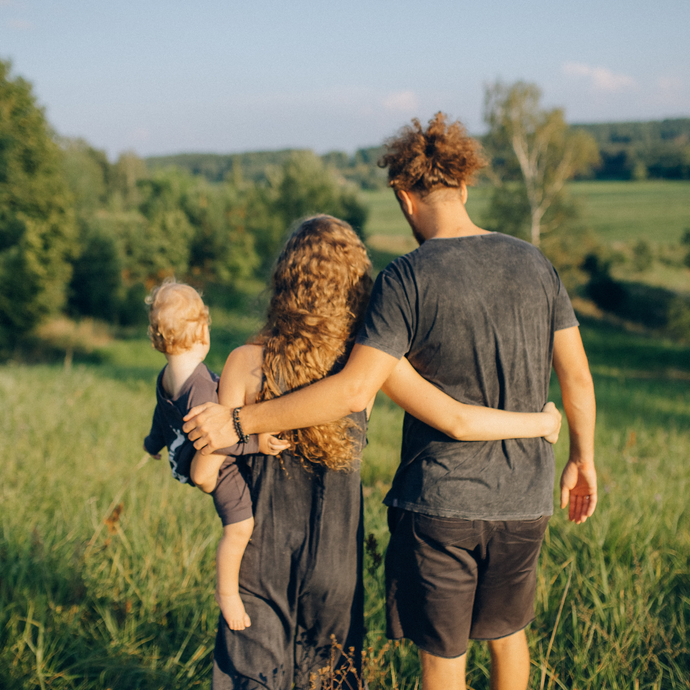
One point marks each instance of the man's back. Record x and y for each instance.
(476, 316)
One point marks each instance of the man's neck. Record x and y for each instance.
(446, 219)
(180, 368)
(438, 215)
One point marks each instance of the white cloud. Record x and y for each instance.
(601, 78)
(669, 83)
(401, 101)
(20, 24)
(140, 135)
(672, 93)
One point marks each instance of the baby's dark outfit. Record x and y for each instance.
(231, 496)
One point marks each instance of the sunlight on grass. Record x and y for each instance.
(107, 563)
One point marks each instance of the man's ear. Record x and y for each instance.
(406, 202)
(463, 192)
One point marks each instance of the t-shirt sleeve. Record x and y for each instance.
(155, 441)
(204, 390)
(249, 448)
(564, 314)
(389, 324)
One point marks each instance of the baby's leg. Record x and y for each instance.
(228, 558)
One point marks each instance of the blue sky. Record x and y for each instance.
(223, 76)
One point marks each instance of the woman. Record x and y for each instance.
(300, 578)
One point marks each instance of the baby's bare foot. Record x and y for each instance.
(233, 611)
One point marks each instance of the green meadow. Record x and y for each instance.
(657, 211)
(654, 210)
(107, 563)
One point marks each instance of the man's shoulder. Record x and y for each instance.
(492, 243)
(516, 256)
(516, 243)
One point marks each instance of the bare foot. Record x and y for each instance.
(233, 611)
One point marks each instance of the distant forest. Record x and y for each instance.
(640, 150)
(628, 151)
(258, 166)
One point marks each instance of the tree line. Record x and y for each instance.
(626, 151)
(86, 237)
(641, 150)
(136, 225)
(359, 168)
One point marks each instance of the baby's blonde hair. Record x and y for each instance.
(177, 316)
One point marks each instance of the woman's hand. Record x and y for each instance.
(272, 444)
(550, 409)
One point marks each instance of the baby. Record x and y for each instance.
(179, 328)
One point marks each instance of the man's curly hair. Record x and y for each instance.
(321, 284)
(423, 161)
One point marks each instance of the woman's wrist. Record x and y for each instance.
(550, 423)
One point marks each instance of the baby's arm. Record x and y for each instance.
(155, 441)
(466, 422)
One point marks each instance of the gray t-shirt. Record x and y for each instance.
(476, 316)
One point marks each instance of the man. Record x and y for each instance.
(483, 316)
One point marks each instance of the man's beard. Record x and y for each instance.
(416, 234)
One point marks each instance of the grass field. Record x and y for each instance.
(655, 210)
(106, 563)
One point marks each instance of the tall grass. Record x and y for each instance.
(106, 563)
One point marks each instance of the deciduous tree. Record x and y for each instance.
(538, 143)
(302, 186)
(37, 230)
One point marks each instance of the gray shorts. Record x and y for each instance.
(449, 580)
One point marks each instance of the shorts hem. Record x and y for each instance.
(500, 637)
(476, 639)
(239, 516)
(423, 649)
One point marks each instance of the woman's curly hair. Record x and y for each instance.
(422, 161)
(321, 284)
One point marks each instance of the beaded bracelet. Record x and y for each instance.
(243, 438)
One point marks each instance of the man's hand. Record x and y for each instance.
(210, 427)
(579, 488)
(551, 409)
